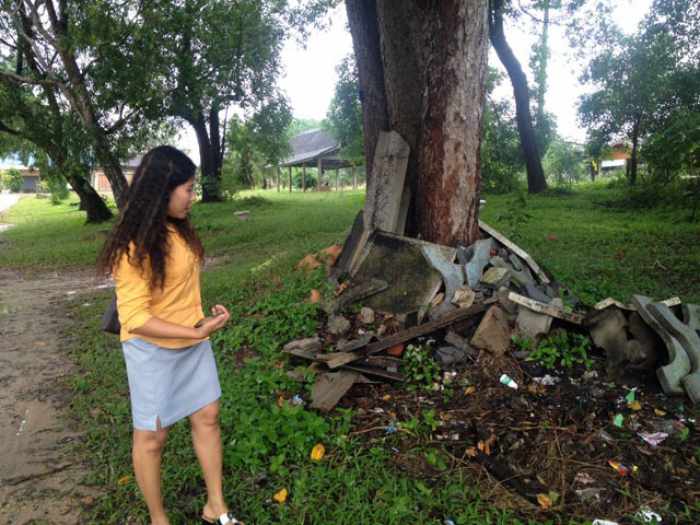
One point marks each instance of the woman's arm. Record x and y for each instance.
(156, 327)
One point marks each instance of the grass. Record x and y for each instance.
(596, 250)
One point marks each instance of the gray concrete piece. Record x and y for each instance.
(691, 316)
(669, 376)
(534, 292)
(451, 276)
(523, 278)
(481, 257)
(495, 277)
(689, 340)
(531, 324)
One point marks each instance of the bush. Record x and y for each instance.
(12, 180)
(58, 188)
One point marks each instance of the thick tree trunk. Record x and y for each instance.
(209, 160)
(91, 203)
(427, 68)
(536, 181)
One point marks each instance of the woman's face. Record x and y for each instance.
(181, 200)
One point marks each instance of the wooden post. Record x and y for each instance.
(320, 174)
(290, 179)
(337, 180)
(303, 178)
(354, 176)
(278, 178)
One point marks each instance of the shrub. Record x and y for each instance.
(13, 180)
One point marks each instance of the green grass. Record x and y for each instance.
(598, 251)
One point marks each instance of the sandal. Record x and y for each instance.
(224, 519)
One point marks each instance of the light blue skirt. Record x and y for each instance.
(166, 385)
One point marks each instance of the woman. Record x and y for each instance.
(155, 256)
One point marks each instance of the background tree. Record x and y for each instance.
(426, 81)
(536, 181)
(344, 117)
(565, 162)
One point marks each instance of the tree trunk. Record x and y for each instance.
(90, 201)
(209, 160)
(536, 182)
(632, 163)
(431, 82)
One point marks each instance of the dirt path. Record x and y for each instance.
(39, 476)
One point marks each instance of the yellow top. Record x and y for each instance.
(178, 302)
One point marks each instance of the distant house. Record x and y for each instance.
(30, 174)
(99, 180)
(616, 158)
(315, 148)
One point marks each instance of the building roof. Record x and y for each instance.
(309, 146)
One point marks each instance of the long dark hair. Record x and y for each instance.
(144, 219)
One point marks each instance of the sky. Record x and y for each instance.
(309, 78)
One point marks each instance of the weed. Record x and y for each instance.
(419, 367)
(564, 349)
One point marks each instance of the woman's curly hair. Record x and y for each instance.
(144, 220)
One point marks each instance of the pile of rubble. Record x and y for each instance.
(475, 297)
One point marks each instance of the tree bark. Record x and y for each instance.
(209, 158)
(94, 206)
(430, 78)
(536, 181)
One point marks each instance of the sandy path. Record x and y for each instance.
(39, 476)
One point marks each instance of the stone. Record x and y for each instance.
(366, 315)
(649, 342)
(480, 258)
(448, 356)
(463, 297)
(534, 292)
(532, 324)
(338, 325)
(505, 302)
(495, 277)
(523, 278)
(494, 332)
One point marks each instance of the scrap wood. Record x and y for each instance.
(337, 359)
(517, 250)
(545, 308)
(427, 328)
(372, 371)
(602, 305)
(330, 388)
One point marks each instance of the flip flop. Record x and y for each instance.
(224, 519)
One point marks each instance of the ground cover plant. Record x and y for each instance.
(400, 464)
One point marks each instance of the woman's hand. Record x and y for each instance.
(208, 325)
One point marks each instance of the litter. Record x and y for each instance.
(653, 438)
(508, 381)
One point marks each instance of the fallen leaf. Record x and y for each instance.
(318, 452)
(386, 397)
(281, 496)
(396, 350)
(544, 501)
(552, 237)
(471, 452)
(332, 253)
(308, 263)
(485, 446)
(659, 413)
(124, 480)
(341, 288)
(314, 296)
(470, 390)
(634, 405)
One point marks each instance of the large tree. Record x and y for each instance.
(422, 68)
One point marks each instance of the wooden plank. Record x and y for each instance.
(517, 250)
(377, 372)
(330, 388)
(337, 359)
(544, 308)
(427, 328)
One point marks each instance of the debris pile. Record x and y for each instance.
(492, 319)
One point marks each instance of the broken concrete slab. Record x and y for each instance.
(449, 356)
(481, 255)
(650, 343)
(358, 291)
(350, 247)
(385, 188)
(494, 332)
(329, 388)
(691, 316)
(534, 292)
(532, 324)
(508, 305)
(548, 309)
(517, 250)
(689, 340)
(451, 276)
(400, 261)
(522, 278)
(669, 376)
(608, 331)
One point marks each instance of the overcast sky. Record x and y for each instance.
(310, 76)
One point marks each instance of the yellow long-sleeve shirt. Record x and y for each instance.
(178, 302)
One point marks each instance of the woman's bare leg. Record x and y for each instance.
(206, 439)
(146, 454)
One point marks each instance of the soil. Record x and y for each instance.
(544, 450)
(40, 475)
